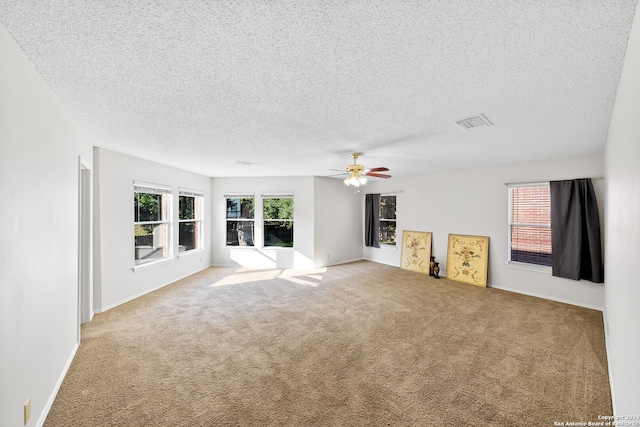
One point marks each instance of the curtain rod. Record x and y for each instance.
(388, 192)
(597, 178)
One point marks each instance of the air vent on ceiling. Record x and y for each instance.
(473, 122)
(243, 163)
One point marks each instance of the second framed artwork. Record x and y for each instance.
(416, 251)
(467, 259)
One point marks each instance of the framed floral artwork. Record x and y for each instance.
(416, 251)
(467, 259)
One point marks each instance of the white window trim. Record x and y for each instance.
(189, 253)
(276, 195)
(519, 264)
(240, 195)
(283, 195)
(195, 194)
(530, 267)
(390, 245)
(145, 187)
(153, 263)
(189, 192)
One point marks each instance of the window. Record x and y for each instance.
(189, 220)
(240, 220)
(530, 224)
(387, 231)
(278, 220)
(152, 223)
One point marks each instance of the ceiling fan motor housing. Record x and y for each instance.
(355, 169)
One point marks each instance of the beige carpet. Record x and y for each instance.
(361, 344)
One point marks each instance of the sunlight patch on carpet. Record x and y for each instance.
(298, 276)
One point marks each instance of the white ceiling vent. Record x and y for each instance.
(243, 163)
(473, 122)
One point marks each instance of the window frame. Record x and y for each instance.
(198, 216)
(167, 213)
(291, 220)
(511, 223)
(394, 220)
(252, 220)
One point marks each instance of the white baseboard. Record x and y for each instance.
(533, 294)
(606, 343)
(379, 261)
(345, 262)
(131, 298)
(49, 404)
(294, 268)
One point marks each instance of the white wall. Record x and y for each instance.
(338, 223)
(474, 201)
(300, 256)
(327, 221)
(40, 145)
(115, 281)
(622, 292)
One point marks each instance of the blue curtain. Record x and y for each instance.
(372, 220)
(575, 231)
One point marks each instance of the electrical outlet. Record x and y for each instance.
(328, 256)
(27, 411)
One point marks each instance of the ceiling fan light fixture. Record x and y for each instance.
(358, 174)
(356, 179)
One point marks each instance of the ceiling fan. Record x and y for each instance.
(358, 174)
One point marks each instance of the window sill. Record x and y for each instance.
(261, 248)
(190, 252)
(529, 267)
(150, 264)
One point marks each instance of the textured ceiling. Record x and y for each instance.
(295, 86)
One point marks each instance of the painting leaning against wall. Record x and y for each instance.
(416, 251)
(467, 259)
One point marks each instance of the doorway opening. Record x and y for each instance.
(85, 282)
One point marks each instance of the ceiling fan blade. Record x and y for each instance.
(382, 169)
(378, 175)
